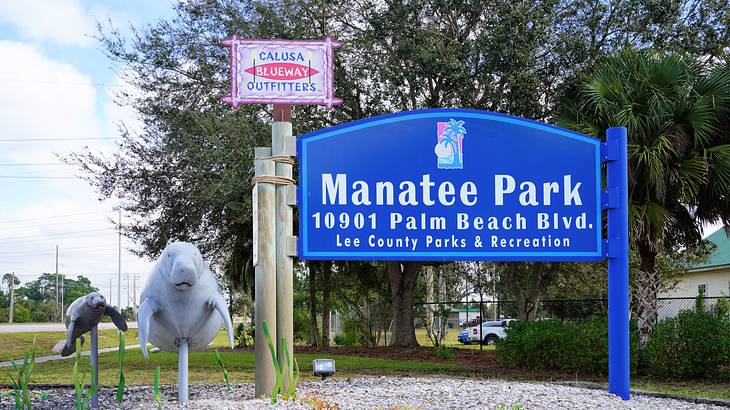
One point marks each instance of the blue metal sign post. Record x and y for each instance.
(452, 184)
(617, 203)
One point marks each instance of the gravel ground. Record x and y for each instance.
(375, 393)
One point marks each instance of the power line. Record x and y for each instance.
(37, 164)
(45, 240)
(56, 139)
(55, 234)
(23, 80)
(17, 225)
(52, 217)
(35, 177)
(92, 247)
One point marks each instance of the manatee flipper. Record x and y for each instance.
(70, 346)
(116, 318)
(148, 308)
(218, 303)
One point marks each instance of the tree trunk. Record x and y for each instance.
(326, 301)
(313, 327)
(646, 288)
(527, 304)
(430, 323)
(403, 278)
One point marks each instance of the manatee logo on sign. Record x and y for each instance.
(526, 191)
(281, 72)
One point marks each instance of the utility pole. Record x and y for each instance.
(134, 288)
(110, 293)
(128, 304)
(119, 263)
(57, 305)
(12, 297)
(63, 316)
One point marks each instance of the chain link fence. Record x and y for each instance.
(461, 313)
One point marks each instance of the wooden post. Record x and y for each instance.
(265, 269)
(283, 145)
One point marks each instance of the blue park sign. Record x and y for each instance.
(449, 184)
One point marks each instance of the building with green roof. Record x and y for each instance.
(712, 276)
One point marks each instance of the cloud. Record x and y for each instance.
(43, 98)
(59, 21)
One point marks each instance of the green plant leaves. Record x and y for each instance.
(120, 385)
(22, 379)
(79, 380)
(226, 377)
(156, 387)
(282, 369)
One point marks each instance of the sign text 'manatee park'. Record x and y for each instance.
(449, 185)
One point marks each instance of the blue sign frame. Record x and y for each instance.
(345, 140)
(613, 199)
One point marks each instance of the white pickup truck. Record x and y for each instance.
(491, 331)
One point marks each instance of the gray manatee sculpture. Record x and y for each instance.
(181, 301)
(85, 313)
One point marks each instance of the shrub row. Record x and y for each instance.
(694, 344)
(691, 345)
(553, 344)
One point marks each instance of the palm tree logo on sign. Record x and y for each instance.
(449, 151)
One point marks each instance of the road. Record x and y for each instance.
(49, 327)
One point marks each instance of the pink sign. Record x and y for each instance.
(281, 72)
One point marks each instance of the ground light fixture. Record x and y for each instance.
(323, 367)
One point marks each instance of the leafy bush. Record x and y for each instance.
(347, 338)
(301, 324)
(693, 344)
(722, 307)
(350, 335)
(243, 335)
(553, 344)
(444, 352)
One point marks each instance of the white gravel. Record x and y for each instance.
(379, 393)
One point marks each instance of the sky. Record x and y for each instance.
(56, 83)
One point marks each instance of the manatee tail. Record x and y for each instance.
(218, 303)
(144, 316)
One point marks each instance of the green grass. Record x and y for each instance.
(239, 364)
(708, 389)
(451, 339)
(14, 345)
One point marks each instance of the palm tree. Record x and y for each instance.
(679, 157)
(453, 132)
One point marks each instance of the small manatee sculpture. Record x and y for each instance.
(85, 313)
(179, 302)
